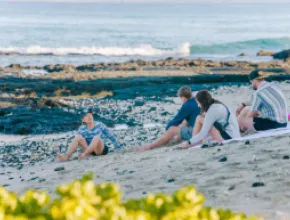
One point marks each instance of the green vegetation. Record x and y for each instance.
(83, 200)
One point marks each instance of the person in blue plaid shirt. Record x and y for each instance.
(268, 108)
(91, 137)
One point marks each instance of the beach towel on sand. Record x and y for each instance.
(258, 135)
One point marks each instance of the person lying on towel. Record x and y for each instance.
(268, 108)
(215, 120)
(91, 138)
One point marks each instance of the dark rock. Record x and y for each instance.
(131, 171)
(286, 157)
(258, 184)
(164, 113)
(141, 62)
(204, 146)
(265, 53)
(232, 187)
(152, 109)
(41, 180)
(33, 178)
(59, 68)
(230, 64)
(20, 166)
(59, 169)
(139, 102)
(213, 64)
(5, 185)
(170, 180)
(15, 66)
(243, 55)
(223, 159)
(197, 62)
(247, 142)
(283, 55)
(144, 193)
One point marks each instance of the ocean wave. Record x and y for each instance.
(251, 46)
(231, 48)
(143, 50)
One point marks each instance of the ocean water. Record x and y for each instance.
(79, 33)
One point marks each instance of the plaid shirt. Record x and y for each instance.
(270, 102)
(98, 130)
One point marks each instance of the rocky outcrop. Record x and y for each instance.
(141, 65)
(59, 68)
(243, 55)
(265, 53)
(283, 55)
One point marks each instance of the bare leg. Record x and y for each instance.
(198, 126)
(214, 133)
(96, 146)
(166, 138)
(245, 122)
(77, 141)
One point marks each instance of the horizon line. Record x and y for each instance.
(155, 1)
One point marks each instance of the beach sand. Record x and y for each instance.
(224, 184)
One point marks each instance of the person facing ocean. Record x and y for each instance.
(215, 119)
(268, 107)
(91, 137)
(182, 124)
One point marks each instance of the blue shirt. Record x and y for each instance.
(98, 130)
(189, 111)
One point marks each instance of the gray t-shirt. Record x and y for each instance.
(217, 113)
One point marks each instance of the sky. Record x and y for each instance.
(165, 1)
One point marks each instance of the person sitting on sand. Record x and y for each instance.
(215, 120)
(268, 108)
(91, 138)
(182, 124)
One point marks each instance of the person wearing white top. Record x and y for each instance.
(215, 120)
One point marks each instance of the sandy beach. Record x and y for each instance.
(226, 184)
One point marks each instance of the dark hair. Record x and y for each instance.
(206, 100)
(185, 92)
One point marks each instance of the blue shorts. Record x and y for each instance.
(186, 133)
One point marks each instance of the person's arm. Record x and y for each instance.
(112, 138)
(242, 106)
(179, 117)
(256, 103)
(209, 120)
(80, 131)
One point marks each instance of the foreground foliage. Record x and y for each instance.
(82, 199)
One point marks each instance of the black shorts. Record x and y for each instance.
(105, 151)
(225, 135)
(261, 124)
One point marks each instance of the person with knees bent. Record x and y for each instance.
(268, 108)
(91, 138)
(215, 120)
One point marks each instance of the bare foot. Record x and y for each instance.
(61, 158)
(82, 156)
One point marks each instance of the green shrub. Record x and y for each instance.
(83, 200)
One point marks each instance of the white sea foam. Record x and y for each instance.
(142, 50)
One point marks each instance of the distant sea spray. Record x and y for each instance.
(185, 49)
(142, 50)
